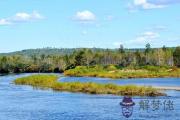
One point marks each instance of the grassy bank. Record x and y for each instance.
(112, 71)
(50, 81)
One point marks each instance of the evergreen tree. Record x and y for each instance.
(176, 56)
(121, 49)
(80, 59)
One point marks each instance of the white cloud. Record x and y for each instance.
(85, 16)
(109, 18)
(4, 22)
(117, 44)
(84, 32)
(146, 37)
(164, 2)
(143, 4)
(158, 28)
(131, 8)
(139, 2)
(21, 17)
(150, 35)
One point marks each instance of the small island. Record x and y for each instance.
(50, 82)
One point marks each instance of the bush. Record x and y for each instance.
(111, 67)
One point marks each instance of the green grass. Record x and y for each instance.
(127, 72)
(50, 81)
(37, 80)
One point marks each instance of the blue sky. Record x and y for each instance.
(29, 24)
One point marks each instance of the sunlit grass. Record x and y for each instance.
(50, 81)
(113, 72)
(37, 80)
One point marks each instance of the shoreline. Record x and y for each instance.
(4, 74)
(122, 77)
(176, 88)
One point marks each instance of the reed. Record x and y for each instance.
(50, 81)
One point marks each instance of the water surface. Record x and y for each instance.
(25, 103)
(136, 81)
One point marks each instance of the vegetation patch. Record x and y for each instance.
(49, 60)
(111, 71)
(50, 81)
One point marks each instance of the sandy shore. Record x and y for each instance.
(168, 88)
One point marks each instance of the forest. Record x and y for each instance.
(64, 59)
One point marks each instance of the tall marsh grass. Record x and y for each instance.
(37, 80)
(50, 81)
(115, 72)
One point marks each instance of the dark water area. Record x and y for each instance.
(25, 103)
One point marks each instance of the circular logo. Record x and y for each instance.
(127, 106)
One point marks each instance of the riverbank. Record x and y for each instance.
(50, 81)
(168, 88)
(114, 72)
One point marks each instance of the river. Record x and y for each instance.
(25, 103)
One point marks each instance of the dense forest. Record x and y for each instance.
(58, 60)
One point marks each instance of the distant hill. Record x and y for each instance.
(40, 51)
(58, 51)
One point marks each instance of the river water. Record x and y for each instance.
(25, 103)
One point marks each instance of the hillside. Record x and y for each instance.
(64, 51)
(56, 51)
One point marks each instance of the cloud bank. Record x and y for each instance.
(21, 17)
(85, 16)
(150, 4)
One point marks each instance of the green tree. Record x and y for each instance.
(80, 59)
(176, 56)
(164, 48)
(89, 57)
(121, 49)
(147, 53)
(148, 48)
(138, 57)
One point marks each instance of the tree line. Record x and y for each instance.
(17, 63)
